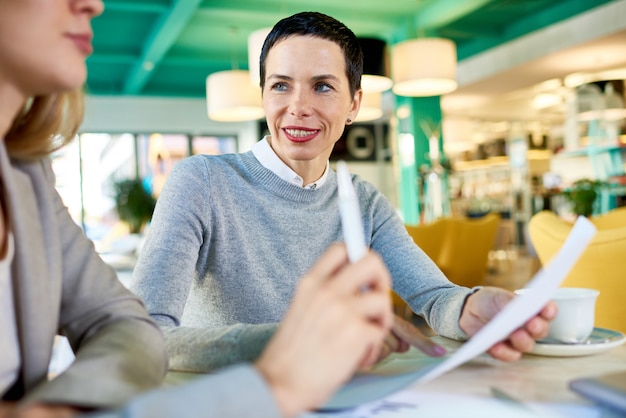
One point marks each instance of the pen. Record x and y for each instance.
(351, 222)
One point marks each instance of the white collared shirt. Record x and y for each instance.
(9, 343)
(268, 159)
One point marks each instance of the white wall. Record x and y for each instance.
(159, 114)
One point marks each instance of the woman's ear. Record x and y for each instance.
(356, 105)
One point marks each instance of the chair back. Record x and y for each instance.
(430, 237)
(459, 246)
(601, 266)
(465, 256)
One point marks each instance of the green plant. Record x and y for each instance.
(134, 204)
(582, 194)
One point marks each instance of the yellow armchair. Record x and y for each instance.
(459, 246)
(601, 266)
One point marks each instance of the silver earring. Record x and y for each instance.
(349, 120)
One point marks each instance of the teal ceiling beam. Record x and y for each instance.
(164, 34)
(435, 15)
(129, 6)
(470, 31)
(443, 12)
(216, 61)
(558, 12)
(112, 59)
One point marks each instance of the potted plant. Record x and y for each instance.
(582, 195)
(134, 204)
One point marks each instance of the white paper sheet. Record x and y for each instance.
(367, 387)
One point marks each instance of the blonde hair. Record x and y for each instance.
(46, 124)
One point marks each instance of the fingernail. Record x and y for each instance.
(439, 350)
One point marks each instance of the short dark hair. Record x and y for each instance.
(321, 26)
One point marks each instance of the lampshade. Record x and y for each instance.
(424, 67)
(232, 98)
(375, 65)
(546, 100)
(371, 107)
(255, 44)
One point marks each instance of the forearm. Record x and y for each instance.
(219, 396)
(204, 350)
(111, 366)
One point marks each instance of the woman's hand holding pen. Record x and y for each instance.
(331, 329)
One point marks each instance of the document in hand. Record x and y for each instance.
(378, 383)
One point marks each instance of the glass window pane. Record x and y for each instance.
(214, 145)
(158, 153)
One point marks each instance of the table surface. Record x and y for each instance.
(532, 378)
(539, 379)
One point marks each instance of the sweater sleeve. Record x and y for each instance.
(204, 350)
(416, 278)
(238, 392)
(167, 266)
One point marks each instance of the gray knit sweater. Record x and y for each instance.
(229, 240)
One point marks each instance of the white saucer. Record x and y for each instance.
(601, 339)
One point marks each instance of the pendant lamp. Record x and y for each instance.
(371, 107)
(231, 97)
(424, 67)
(255, 44)
(375, 65)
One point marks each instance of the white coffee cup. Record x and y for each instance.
(576, 315)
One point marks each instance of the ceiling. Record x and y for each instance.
(168, 47)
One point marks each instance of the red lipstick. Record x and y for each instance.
(300, 134)
(82, 42)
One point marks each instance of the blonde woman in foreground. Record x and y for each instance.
(53, 282)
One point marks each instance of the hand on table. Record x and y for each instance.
(331, 329)
(483, 305)
(403, 335)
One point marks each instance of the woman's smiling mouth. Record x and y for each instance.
(300, 134)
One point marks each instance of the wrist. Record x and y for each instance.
(285, 398)
(467, 315)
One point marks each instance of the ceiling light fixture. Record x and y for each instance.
(371, 107)
(375, 77)
(231, 97)
(546, 100)
(424, 67)
(255, 44)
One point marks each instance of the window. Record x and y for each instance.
(87, 169)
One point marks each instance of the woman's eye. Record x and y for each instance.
(323, 87)
(279, 86)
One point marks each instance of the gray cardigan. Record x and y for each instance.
(61, 286)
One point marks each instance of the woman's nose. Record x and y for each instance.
(300, 103)
(91, 7)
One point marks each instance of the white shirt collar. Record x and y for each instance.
(268, 159)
